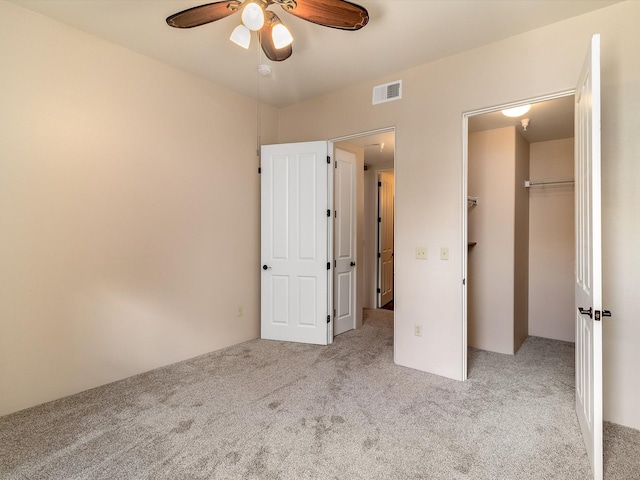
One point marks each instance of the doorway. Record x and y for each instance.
(386, 200)
(302, 189)
(518, 225)
(378, 153)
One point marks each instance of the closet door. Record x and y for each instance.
(588, 285)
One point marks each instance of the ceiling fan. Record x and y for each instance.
(273, 36)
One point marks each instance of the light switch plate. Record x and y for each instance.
(421, 253)
(444, 253)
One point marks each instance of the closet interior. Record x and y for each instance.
(520, 227)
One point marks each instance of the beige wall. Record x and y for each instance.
(491, 224)
(428, 172)
(121, 179)
(521, 243)
(551, 248)
(498, 265)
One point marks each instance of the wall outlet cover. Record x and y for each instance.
(417, 329)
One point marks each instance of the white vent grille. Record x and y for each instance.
(387, 92)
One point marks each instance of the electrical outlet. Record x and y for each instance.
(240, 311)
(444, 253)
(417, 329)
(421, 253)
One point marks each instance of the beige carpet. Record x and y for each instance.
(274, 410)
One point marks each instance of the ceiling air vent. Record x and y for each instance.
(387, 92)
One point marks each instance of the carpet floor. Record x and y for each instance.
(275, 410)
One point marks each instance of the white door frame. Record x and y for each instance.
(465, 194)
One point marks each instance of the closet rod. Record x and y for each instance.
(557, 181)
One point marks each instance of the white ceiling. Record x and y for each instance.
(549, 120)
(400, 34)
(379, 148)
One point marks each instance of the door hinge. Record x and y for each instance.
(464, 282)
(378, 290)
(584, 311)
(328, 318)
(328, 159)
(328, 265)
(379, 184)
(335, 214)
(335, 263)
(259, 170)
(597, 314)
(328, 213)
(335, 164)
(379, 219)
(379, 255)
(334, 312)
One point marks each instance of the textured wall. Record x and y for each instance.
(121, 247)
(491, 224)
(551, 248)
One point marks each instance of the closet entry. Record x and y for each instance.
(520, 226)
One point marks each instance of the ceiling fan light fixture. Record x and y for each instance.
(281, 36)
(241, 36)
(516, 111)
(253, 16)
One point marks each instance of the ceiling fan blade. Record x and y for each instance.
(203, 14)
(329, 13)
(266, 39)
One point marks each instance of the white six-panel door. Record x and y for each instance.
(385, 236)
(344, 296)
(294, 242)
(588, 286)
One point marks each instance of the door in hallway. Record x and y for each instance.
(385, 237)
(344, 241)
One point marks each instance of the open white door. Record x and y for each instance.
(588, 286)
(295, 248)
(385, 237)
(345, 241)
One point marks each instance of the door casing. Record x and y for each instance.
(463, 201)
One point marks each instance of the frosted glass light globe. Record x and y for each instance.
(516, 111)
(281, 36)
(241, 35)
(253, 16)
